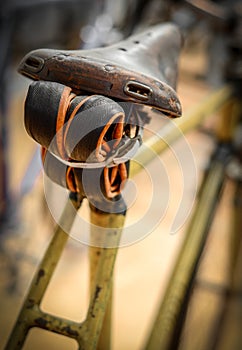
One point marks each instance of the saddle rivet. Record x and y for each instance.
(60, 57)
(157, 83)
(109, 67)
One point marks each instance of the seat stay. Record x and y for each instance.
(141, 69)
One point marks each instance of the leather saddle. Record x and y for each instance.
(141, 69)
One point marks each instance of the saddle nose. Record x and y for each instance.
(141, 69)
(33, 64)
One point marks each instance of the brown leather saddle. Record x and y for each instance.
(141, 69)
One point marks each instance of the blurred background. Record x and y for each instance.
(211, 29)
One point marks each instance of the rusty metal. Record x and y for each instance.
(227, 334)
(172, 310)
(170, 316)
(30, 314)
(94, 331)
(109, 221)
(86, 333)
(101, 259)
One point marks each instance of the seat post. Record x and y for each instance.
(102, 260)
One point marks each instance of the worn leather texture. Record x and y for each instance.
(141, 69)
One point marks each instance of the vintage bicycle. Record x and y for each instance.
(136, 82)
